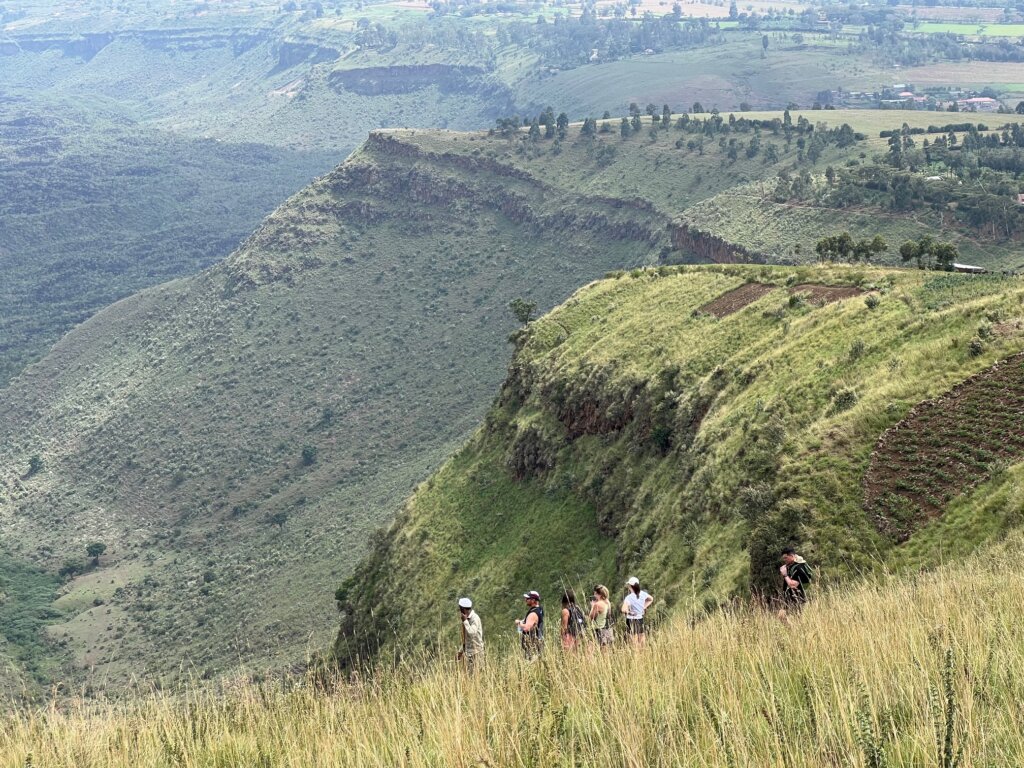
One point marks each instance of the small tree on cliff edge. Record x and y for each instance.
(522, 309)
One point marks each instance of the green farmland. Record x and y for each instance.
(970, 30)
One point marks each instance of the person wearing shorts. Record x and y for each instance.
(635, 607)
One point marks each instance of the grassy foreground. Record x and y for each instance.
(923, 671)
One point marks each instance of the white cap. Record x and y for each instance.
(465, 602)
(633, 581)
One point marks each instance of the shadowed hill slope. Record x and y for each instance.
(95, 207)
(639, 434)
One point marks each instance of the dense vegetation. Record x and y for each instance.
(652, 425)
(26, 596)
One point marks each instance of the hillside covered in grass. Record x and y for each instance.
(96, 206)
(908, 671)
(684, 424)
(234, 438)
(951, 177)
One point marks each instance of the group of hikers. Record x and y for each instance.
(574, 621)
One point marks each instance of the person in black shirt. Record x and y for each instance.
(795, 575)
(531, 628)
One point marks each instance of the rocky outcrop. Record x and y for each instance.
(293, 52)
(704, 247)
(379, 81)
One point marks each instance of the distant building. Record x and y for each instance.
(978, 104)
(1020, 199)
(969, 268)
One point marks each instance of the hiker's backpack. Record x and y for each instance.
(807, 572)
(577, 621)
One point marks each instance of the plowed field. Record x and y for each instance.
(946, 446)
(736, 299)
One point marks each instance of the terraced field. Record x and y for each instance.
(736, 299)
(945, 447)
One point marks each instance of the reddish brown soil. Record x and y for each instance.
(945, 447)
(1009, 328)
(736, 299)
(823, 294)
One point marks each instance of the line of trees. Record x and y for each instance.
(844, 248)
(929, 253)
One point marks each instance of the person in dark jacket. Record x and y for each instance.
(531, 627)
(796, 574)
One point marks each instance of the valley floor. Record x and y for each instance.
(924, 670)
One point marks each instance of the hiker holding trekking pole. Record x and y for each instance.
(472, 651)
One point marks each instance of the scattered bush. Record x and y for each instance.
(857, 350)
(872, 301)
(309, 453)
(843, 400)
(35, 465)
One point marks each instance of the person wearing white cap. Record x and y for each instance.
(472, 651)
(531, 628)
(635, 607)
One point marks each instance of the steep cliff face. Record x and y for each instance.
(291, 53)
(377, 81)
(705, 247)
(637, 433)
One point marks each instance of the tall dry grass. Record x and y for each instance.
(920, 671)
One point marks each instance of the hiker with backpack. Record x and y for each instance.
(600, 617)
(573, 622)
(635, 606)
(796, 574)
(531, 628)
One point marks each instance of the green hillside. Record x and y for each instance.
(779, 232)
(234, 438)
(235, 106)
(954, 179)
(679, 424)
